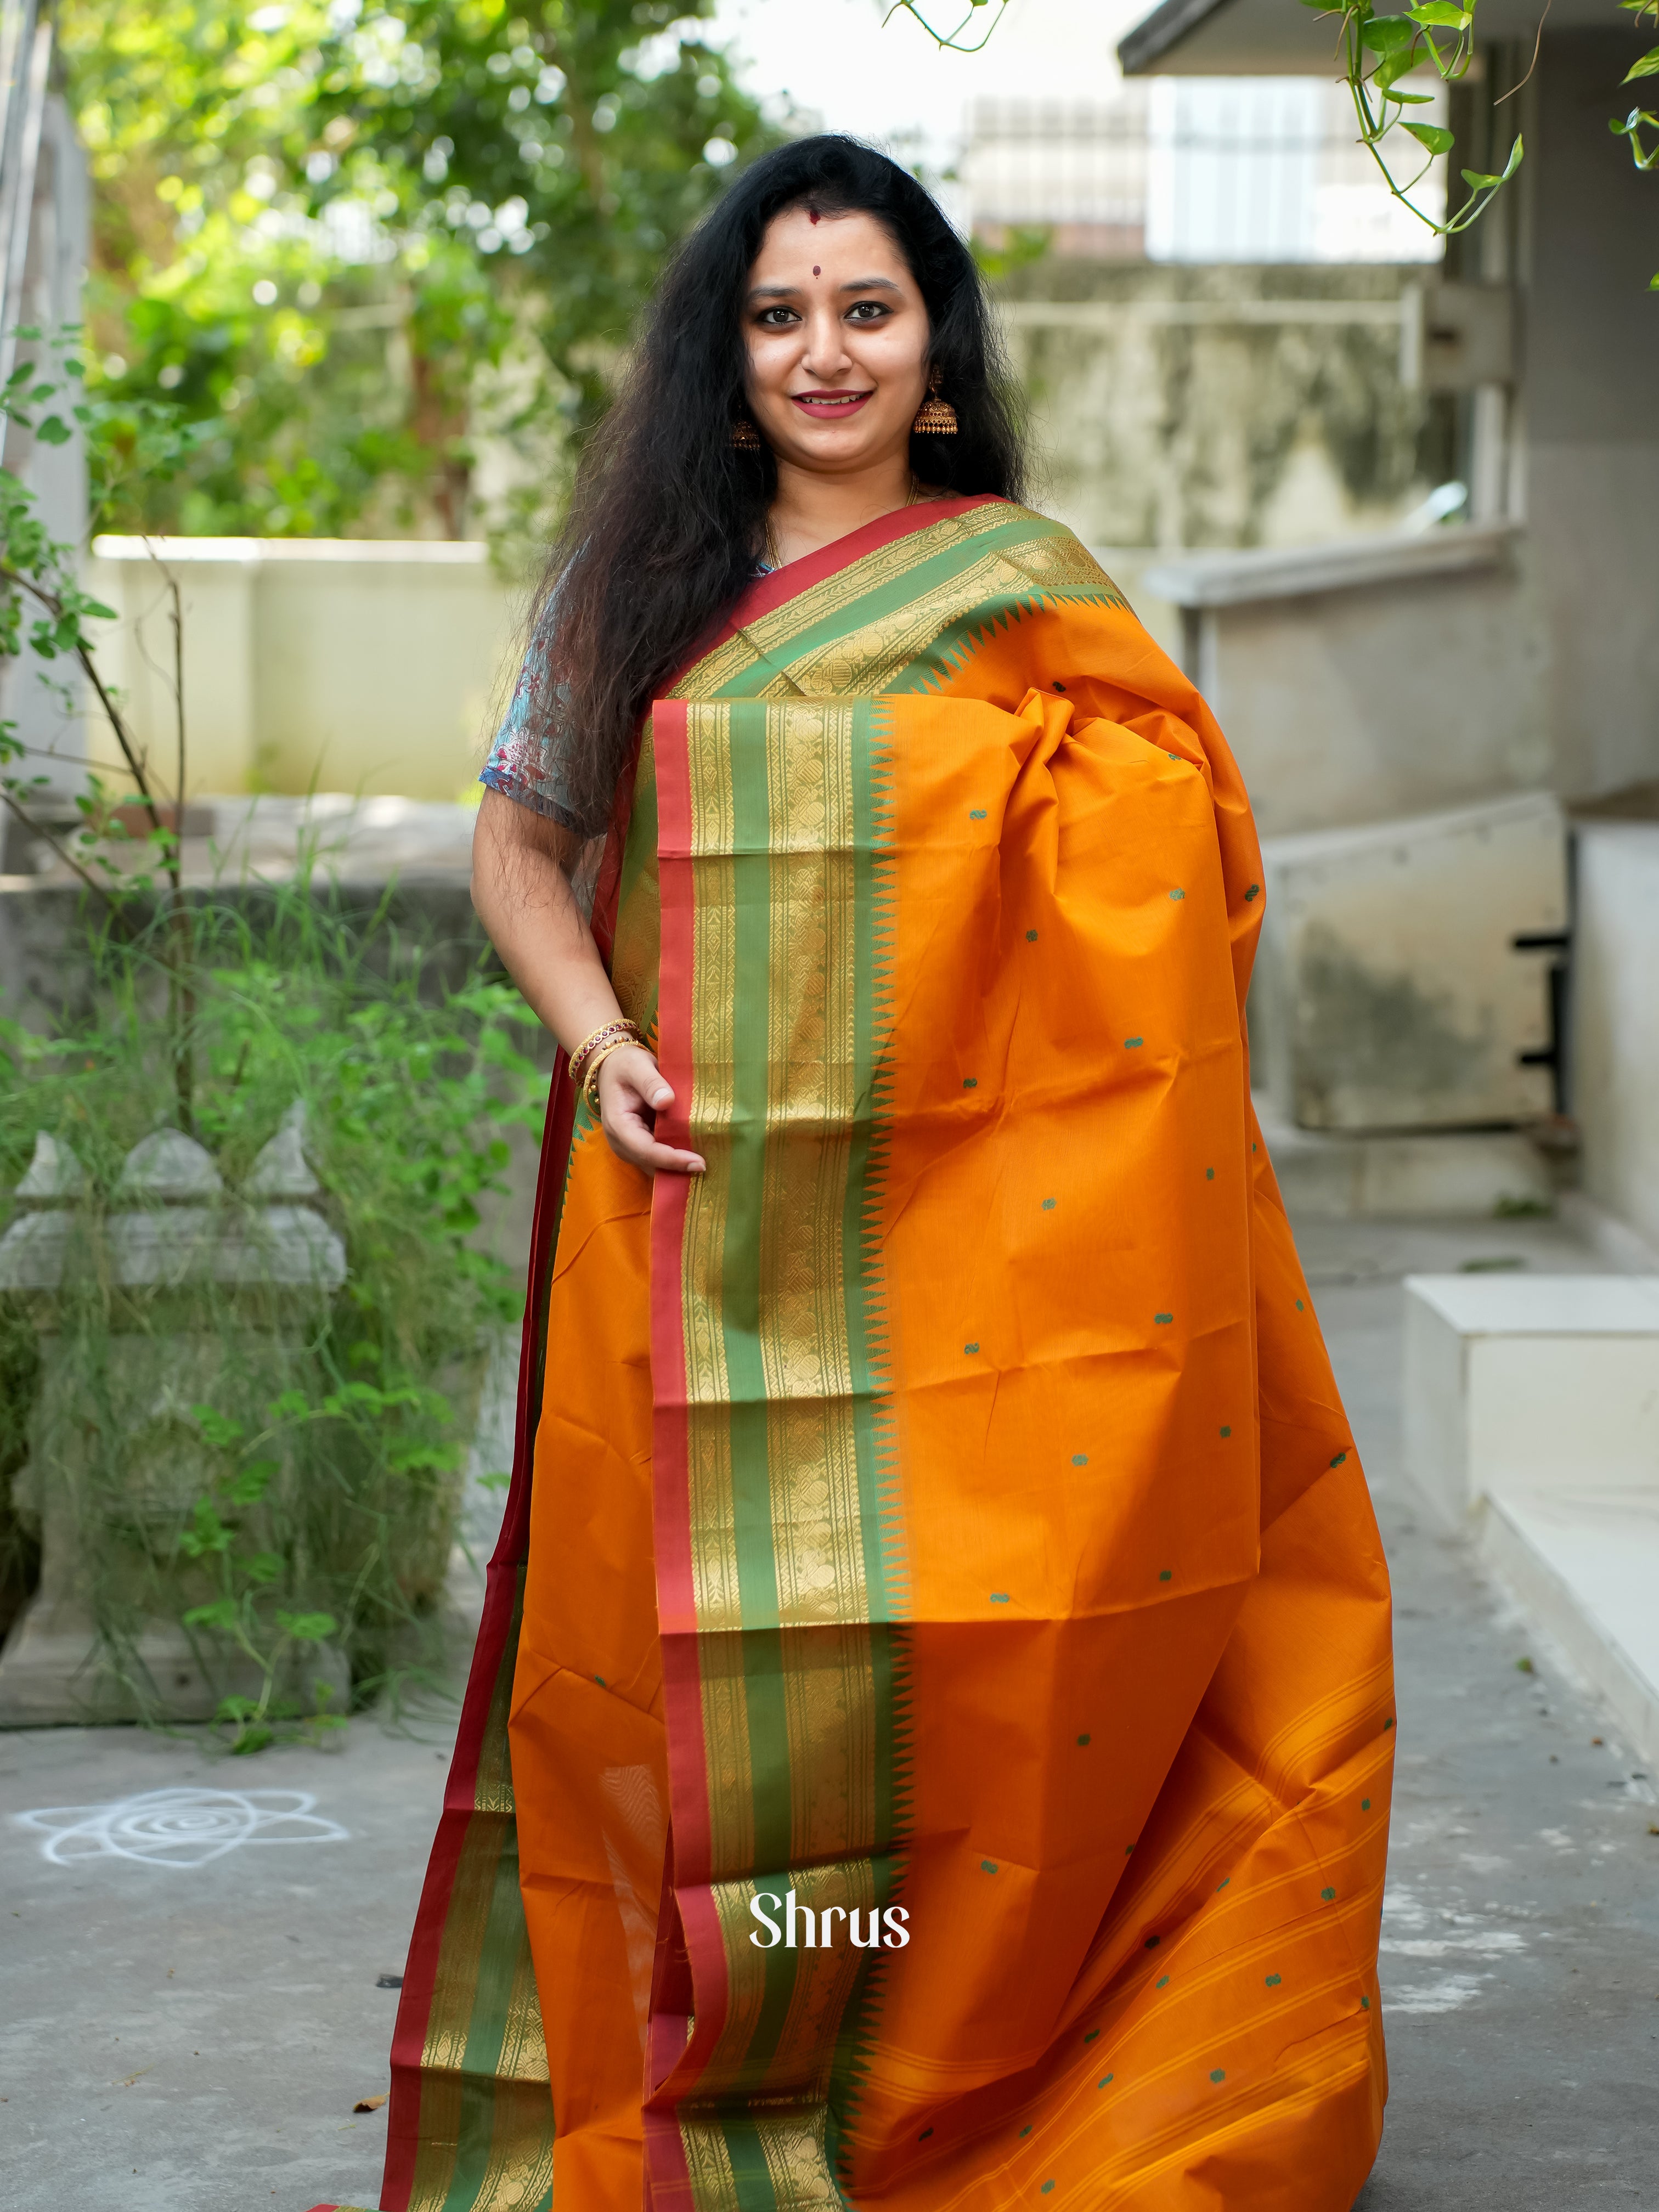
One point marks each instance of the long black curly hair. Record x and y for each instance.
(668, 516)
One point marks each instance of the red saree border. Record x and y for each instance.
(501, 1586)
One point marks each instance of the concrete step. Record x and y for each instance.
(1532, 1416)
(1457, 1173)
(1529, 1384)
(1586, 1568)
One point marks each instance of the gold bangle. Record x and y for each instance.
(624, 1032)
(602, 1053)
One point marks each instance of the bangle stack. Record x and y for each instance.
(594, 1051)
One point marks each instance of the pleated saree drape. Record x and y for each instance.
(939, 1518)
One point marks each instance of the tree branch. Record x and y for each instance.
(590, 158)
(54, 605)
(39, 830)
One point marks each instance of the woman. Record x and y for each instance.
(930, 1736)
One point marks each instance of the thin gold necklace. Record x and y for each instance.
(774, 559)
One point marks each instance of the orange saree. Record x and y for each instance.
(930, 1739)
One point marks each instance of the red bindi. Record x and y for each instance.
(817, 271)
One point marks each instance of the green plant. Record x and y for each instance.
(350, 241)
(1021, 245)
(981, 27)
(39, 582)
(1378, 52)
(275, 1471)
(273, 1468)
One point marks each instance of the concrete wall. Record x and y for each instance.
(1616, 1017)
(1402, 695)
(1405, 695)
(337, 665)
(1588, 413)
(1357, 705)
(1387, 992)
(1259, 408)
(1231, 405)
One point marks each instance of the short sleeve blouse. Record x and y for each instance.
(526, 767)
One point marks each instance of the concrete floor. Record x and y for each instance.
(1521, 1936)
(189, 2033)
(191, 2038)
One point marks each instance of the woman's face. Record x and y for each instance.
(838, 338)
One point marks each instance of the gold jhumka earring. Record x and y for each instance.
(745, 438)
(935, 417)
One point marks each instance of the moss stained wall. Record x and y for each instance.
(1184, 418)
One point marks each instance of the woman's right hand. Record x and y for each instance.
(632, 1093)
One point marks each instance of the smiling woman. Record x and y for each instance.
(673, 507)
(839, 343)
(929, 1739)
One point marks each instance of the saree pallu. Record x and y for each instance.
(939, 1519)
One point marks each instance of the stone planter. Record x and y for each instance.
(197, 1293)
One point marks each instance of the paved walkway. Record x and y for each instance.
(1520, 1938)
(186, 2027)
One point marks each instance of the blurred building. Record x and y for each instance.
(1209, 296)
(1454, 734)
(1223, 169)
(1524, 625)
(1076, 168)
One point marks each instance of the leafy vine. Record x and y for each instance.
(1377, 52)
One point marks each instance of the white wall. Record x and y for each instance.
(327, 664)
(1616, 1017)
(54, 274)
